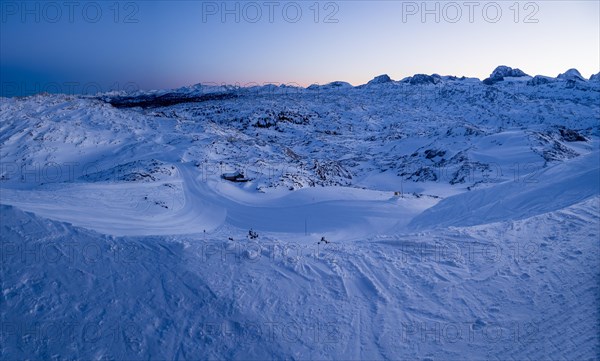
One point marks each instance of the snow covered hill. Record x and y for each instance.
(434, 217)
(552, 189)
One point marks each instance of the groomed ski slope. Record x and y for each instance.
(514, 289)
(196, 206)
(518, 290)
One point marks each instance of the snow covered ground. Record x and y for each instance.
(462, 221)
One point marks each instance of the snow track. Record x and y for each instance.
(529, 294)
(190, 205)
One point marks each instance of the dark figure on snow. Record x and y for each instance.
(252, 234)
(323, 240)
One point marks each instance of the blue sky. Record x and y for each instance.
(48, 45)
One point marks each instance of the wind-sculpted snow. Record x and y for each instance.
(433, 217)
(518, 289)
(551, 189)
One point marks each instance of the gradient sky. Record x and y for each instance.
(172, 44)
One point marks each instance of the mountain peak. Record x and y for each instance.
(420, 79)
(571, 74)
(384, 78)
(504, 71)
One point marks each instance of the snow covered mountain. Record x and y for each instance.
(434, 217)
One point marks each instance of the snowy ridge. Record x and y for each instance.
(181, 299)
(551, 189)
